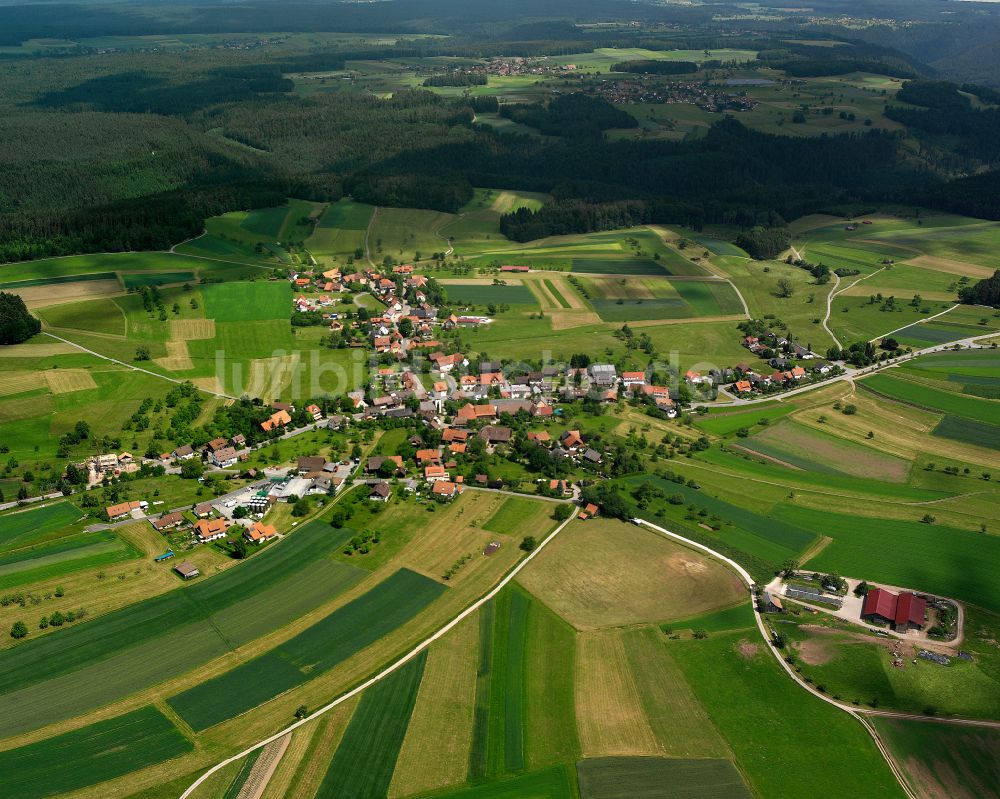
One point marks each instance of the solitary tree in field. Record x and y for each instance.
(18, 630)
(16, 324)
(784, 287)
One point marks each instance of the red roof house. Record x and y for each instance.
(903, 611)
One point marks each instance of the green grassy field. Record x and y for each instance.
(779, 734)
(50, 561)
(405, 233)
(934, 399)
(945, 759)
(23, 527)
(957, 563)
(98, 266)
(364, 761)
(737, 617)
(247, 301)
(89, 755)
(312, 652)
(98, 316)
(728, 421)
(553, 783)
(341, 230)
(486, 293)
(509, 515)
(156, 279)
(659, 778)
(108, 657)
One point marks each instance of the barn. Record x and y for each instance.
(902, 612)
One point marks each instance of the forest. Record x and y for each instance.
(131, 150)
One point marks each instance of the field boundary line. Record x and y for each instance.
(392, 667)
(919, 322)
(134, 368)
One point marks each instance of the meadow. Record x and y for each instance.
(726, 421)
(927, 557)
(780, 736)
(24, 527)
(486, 293)
(89, 755)
(317, 649)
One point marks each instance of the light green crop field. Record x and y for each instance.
(341, 230)
(924, 396)
(247, 301)
(96, 316)
(728, 421)
(99, 264)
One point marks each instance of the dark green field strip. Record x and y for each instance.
(708, 298)
(932, 398)
(960, 359)
(50, 281)
(789, 536)
(241, 776)
(485, 294)
(62, 557)
(641, 310)
(968, 431)
(718, 246)
(505, 746)
(922, 334)
(90, 755)
(618, 266)
(156, 279)
(175, 651)
(552, 783)
(659, 778)
(738, 617)
(514, 695)
(317, 649)
(925, 557)
(556, 293)
(23, 527)
(68, 650)
(481, 711)
(363, 764)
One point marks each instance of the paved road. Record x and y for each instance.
(394, 666)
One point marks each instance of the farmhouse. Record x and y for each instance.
(168, 521)
(260, 533)
(123, 509)
(380, 492)
(278, 419)
(184, 453)
(902, 612)
(210, 529)
(187, 570)
(589, 511)
(445, 489)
